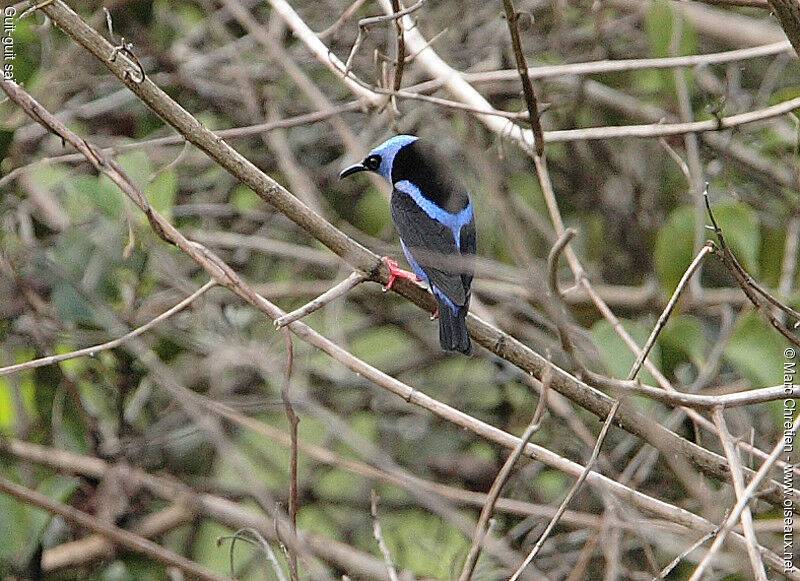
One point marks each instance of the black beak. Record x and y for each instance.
(352, 169)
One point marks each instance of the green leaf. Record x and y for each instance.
(740, 227)
(23, 525)
(315, 518)
(423, 543)
(245, 199)
(525, 186)
(99, 192)
(617, 355)
(6, 137)
(216, 556)
(551, 485)
(49, 176)
(162, 191)
(137, 165)
(7, 412)
(683, 334)
(26, 50)
(660, 23)
(380, 346)
(756, 350)
(674, 249)
(372, 213)
(72, 305)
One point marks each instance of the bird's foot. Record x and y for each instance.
(396, 272)
(435, 314)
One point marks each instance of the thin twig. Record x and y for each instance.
(694, 400)
(499, 482)
(744, 500)
(674, 563)
(365, 23)
(677, 159)
(552, 259)
(668, 129)
(555, 294)
(622, 65)
(400, 47)
(570, 494)
(378, 534)
(662, 319)
(340, 289)
(737, 477)
(259, 541)
(92, 351)
(293, 421)
(333, 28)
(522, 69)
(395, 16)
(115, 534)
(749, 285)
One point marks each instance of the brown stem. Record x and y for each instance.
(522, 69)
(293, 421)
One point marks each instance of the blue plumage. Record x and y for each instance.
(453, 221)
(433, 214)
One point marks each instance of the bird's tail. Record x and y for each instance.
(453, 334)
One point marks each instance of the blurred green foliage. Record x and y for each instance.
(103, 272)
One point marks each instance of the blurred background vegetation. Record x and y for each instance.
(79, 265)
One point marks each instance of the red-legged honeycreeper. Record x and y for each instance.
(432, 212)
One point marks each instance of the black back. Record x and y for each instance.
(419, 163)
(431, 242)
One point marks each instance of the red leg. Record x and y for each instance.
(396, 272)
(435, 314)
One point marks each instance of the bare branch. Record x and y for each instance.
(339, 290)
(260, 542)
(92, 351)
(291, 416)
(522, 69)
(743, 501)
(748, 284)
(662, 319)
(500, 480)
(119, 536)
(378, 534)
(738, 484)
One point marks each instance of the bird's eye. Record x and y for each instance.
(373, 162)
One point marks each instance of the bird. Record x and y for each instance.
(433, 214)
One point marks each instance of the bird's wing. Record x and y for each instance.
(431, 243)
(469, 249)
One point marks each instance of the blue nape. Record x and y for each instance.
(453, 221)
(387, 150)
